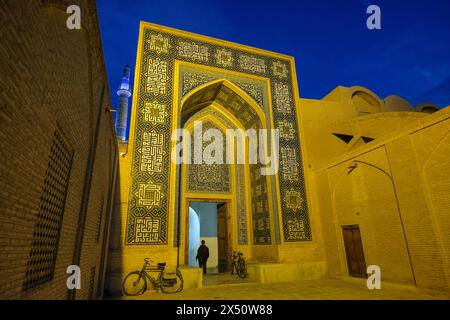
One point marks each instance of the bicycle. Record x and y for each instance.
(135, 283)
(239, 265)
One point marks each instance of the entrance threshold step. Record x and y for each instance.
(224, 279)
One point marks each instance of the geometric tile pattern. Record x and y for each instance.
(242, 233)
(288, 159)
(283, 102)
(241, 211)
(156, 82)
(192, 80)
(293, 199)
(154, 112)
(224, 57)
(152, 152)
(286, 130)
(156, 76)
(147, 230)
(248, 117)
(193, 51)
(208, 178)
(149, 195)
(296, 228)
(252, 63)
(159, 43)
(279, 69)
(260, 216)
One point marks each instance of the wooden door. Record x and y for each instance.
(354, 251)
(222, 237)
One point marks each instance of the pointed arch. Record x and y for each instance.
(223, 112)
(220, 91)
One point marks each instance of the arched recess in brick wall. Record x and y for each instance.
(436, 173)
(226, 106)
(364, 195)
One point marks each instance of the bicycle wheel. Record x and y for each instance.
(134, 284)
(242, 269)
(171, 282)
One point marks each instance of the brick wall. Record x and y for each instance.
(399, 196)
(53, 78)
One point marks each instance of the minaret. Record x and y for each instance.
(122, 112)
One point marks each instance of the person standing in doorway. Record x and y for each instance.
(202, 256)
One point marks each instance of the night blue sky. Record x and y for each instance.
(409, 57)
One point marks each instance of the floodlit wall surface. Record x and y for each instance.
(395, 187)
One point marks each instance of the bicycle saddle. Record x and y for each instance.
(161, 264)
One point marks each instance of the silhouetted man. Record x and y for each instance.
(202, 255)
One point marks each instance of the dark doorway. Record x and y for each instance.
(223, 237)
(354, 251)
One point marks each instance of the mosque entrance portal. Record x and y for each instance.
(226, 196)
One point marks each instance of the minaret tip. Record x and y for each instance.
(124, 94)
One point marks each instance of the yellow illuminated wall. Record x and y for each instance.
(350, 158)
(391, 177)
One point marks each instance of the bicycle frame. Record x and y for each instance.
(147, 269)
(158, 281)
(236, 257)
